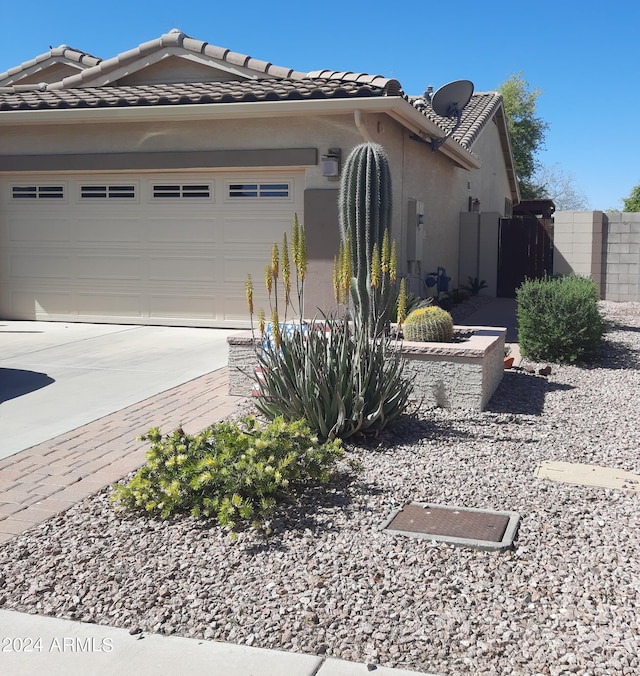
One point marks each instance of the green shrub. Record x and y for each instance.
(558, 319)
(429, 324)
(235, 472)
(334, 377)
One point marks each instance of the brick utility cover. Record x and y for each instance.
(477, 528)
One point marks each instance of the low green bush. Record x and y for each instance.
(559, 319)
(235, 472)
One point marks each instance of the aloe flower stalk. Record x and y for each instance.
(249, 292)
(286, 274)
(376, 267)
(393, 262)
(402, 303)
(275, 328)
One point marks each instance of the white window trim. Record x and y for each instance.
(40, 195)
(182, 188)
(108, 186)
(261, 185)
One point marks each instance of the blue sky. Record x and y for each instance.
(582, 55)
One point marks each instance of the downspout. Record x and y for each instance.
(357, 118)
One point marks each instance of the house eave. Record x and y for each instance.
(395, 106)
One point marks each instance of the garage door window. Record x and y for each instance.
(176, 191)
(108, 192)
(37, 192)
(259, 190)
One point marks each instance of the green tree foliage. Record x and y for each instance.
(632, 203)
(527, 132)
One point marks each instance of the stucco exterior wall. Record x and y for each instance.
(418, 174)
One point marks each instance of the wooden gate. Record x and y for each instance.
(525, 246)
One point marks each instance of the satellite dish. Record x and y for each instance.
(448, 101)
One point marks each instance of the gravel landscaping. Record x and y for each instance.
(565, 600)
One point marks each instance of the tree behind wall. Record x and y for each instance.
(632, 203)
(560, 187)
(526, 130)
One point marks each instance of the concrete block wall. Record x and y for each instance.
(578, 244)
(603, 246)
(623, 257)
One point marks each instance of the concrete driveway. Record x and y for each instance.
(57, 376)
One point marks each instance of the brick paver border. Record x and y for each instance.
(47, 479)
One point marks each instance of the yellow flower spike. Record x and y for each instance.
(386, 254)
(262, 321)
(302, 254)
(249, 291)
(295, 240)
(275, 328)
(286, 270)
(402, 302)
(347, 271)
(375, 266)
(268, 278)
(275, 264)
(393, 262)
(337, 285)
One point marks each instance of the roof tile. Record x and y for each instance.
(276, 83)
(181, 94)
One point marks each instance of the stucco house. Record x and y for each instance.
(143, 188)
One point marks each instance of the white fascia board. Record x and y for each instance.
(394, 106)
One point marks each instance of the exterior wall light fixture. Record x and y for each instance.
(331, 163)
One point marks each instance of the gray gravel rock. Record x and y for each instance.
(565, 600)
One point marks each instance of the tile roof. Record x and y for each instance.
(181, 94)
(95, 86)
(61, 54)
(480, 109)
(177, 40)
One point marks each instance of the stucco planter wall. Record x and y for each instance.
(449, 375)
(458, 375)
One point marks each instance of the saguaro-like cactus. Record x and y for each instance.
(365, 217)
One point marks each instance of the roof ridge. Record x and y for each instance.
(391, 86)
(175, 38)
(63, 52)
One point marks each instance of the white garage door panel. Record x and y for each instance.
(183, 268)
(185, 231)
(92, 230)
(186, 307)
(42, 266)
(164, 256)
(38, 304)
(46, 228)
(115, 306)
(114, 267)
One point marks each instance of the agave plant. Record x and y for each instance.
(331, 374)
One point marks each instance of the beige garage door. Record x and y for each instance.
(141, 249)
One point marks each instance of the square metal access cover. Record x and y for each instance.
(463, 526)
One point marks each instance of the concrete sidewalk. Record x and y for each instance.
(33, 645)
